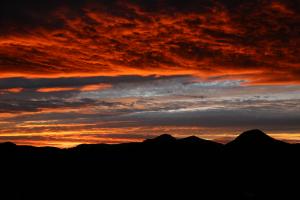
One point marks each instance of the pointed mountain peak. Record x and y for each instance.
(162, 139)
(194, 140)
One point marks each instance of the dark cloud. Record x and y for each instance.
(7, 83)
(18, 106)
(220, 118)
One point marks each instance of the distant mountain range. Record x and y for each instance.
(253, 166)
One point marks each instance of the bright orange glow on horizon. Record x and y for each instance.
(71, 138)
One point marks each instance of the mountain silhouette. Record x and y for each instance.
(257, 144)
(252, 166)
(195, 140)
(165, 138)
(255, 138)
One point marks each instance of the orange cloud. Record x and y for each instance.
(12, 90)
(95, 87)
(86, 88)
(56, 89)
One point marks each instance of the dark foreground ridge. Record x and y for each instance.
(253, 166)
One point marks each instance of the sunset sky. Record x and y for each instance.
(112, 71)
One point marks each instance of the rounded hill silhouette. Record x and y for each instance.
(165, 138)
(254, 138)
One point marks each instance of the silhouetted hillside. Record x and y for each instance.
(162, 139)
(254, 138)
(253, 166)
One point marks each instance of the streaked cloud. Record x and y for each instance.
(180, 105)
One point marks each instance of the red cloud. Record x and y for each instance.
(257, 41)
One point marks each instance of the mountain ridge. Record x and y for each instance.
(252, 167)
(250, 137)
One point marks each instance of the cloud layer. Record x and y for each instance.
(136, 107)
(257, 41)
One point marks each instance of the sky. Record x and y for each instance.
(112, 71)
